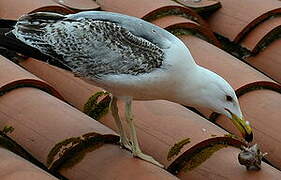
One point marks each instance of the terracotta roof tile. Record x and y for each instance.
(253, 25)
(13, 9)
(43, 118)
(220, 160)
(233, 70)
(153, 119)
(13, 76)
(167, 21)
(63, 81)
(39, 117)
(268, 60)
(13, 167)
(79, 5)
(202, 7)
(181, 25)
(149, 9)
(254, 41)
(239, 75)
(261, 108)
(237, 18)
(157, 134)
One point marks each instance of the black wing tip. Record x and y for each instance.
(7, 23)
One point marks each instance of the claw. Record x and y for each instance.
(125, 144)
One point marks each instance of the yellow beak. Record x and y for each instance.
(243, 127)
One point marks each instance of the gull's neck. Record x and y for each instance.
(191, 86)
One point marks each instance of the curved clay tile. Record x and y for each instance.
(150, 10)
(202, 7)
(13, 9)
(261, 102)
(262, 35)
(64, 82)
(55, 9)
(42, 122)
(79, 5)
(240, 74)
(268, 60)
(219, 153)
(236, 18)
(109, 162)
(13, 167)
(226, 160)
(13, 76)
(160, 124)
(232, 69)
(181, 25)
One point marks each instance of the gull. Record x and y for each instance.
(133, 60)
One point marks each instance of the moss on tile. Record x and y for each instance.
(275, 34)
(200, 152)
(175, 150)
(201, 156)
(169, 12)
(77, 154)
(8, 129)
(185, 31)
(243, 53)
(268, 39)
(60, 147)
(71, 151)
(97, 105)
(232, 48)
(205, 10)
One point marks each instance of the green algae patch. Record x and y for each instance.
(71, 151)
(181, 31)
(60, 149)
(199, 153)
(175, 150)
(97, 105)
(201, 156)
(8, 129)
(169, 12)
(233, 136)
(203, 11)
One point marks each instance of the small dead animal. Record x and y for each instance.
(251, 157)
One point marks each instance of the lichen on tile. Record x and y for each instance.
(175, 150)
(173, 11)
(97, 105)
(58, 150)
(201, 156)
(8, 129)
(71, 151)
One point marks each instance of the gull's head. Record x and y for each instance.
(223, 100)
(215, 93)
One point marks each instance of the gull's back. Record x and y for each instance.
(93, 44)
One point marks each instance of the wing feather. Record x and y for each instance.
(89, 47)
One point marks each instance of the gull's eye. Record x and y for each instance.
(229, 98)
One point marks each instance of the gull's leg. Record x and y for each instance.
(114, 110)
(135, 145)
